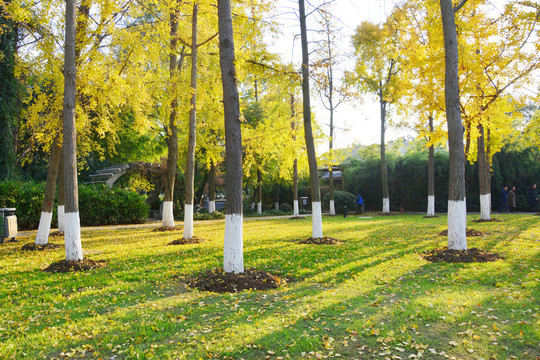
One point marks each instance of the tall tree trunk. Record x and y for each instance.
(42, 236)
(296, 210)
(317, 231)
(457, 209)
(331, 145)
(259, 191)
(483, 176)
(276, 196)
(212, 188)
(72, 234)
(233, 252)
(190, 159)
(61, 193)
(384, 171)
(167, 219)
(488, 161)
(431, 172)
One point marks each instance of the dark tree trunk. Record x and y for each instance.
(233, 247)
(212, 188)
(259, 191)
(308, 132)
(295, 188)
(61, 192)
(190, 159)
(483, 176)
(73, 247)
(457, 212)
(431, 171)
(276, 196)
(384, 169)
(172, 131)
(42, 236)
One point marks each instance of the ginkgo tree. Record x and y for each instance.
(376, 73)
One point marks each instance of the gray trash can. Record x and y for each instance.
(8, 224)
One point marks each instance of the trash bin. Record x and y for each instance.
(8, 224)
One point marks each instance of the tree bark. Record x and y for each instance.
(317, 231)
(167, 219)
(233, 256)
(73, 247)
(259, 192)
(457, 209)
(212, 188)
(61, 192)
(431, 172)
(483, 176)
(276, 196)
(296, 210)
(42, 236)
(384, 171)
(190, 159)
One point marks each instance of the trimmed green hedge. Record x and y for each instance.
(341, 199)
(98, 205)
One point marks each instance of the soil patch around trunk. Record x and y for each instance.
(35, 247)
(57, 233)
(461, 256)
(163, 228)
(327, 240)
(217, 280)
(486, 221)
(430, 217)
(469, 232)
(64, 266)
(193, 240)
(297, 217)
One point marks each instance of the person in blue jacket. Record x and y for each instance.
(359, 204)
(504, 199)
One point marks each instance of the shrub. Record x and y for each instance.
(27, 198)
(100, 205)
(97, 205)
(285, 207)
(342, 199)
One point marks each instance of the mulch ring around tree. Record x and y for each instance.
(327, 240)
(486, 221)
(297, 217)
(57, 233)
(461, 256)
(217, 280)
(163, 228)
(430, 217)
(470, 232)
(35, 247)
(64, 266)
(193, 240)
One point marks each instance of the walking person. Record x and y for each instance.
(359, 204)
(511, 200)
(532, 198)
(504, 198)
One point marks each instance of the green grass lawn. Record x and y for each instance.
(372, 296)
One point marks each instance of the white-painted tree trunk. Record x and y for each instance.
(332, 208)
(167, 219)
(485, 207)
(72, 236)
(233, 249)
(42, 236)
(259, 208)
(188, 221)
(211, 206)
(296, 211)
(316, 214)
(252, 206)
(276, 206)
(61, 220)
(431, 205)
(386, 205)
(457, 225)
